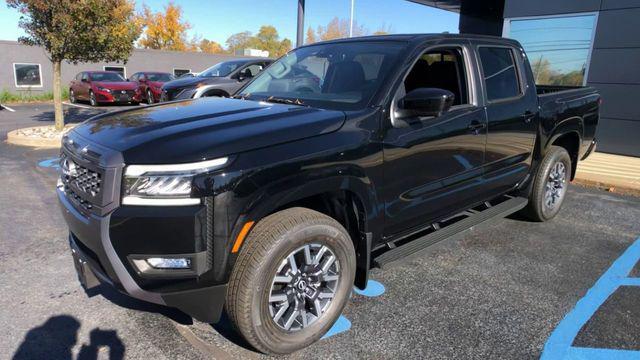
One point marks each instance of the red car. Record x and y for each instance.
(99, 87)
(150, 85)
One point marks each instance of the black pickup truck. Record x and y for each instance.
(341, 156)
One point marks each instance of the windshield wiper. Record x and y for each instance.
(287, 101)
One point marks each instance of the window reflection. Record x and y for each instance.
(558, 47)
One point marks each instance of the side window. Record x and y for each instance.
(443, 69)
(500, 73)
(85, 76)
(254, 69)
(134, 77)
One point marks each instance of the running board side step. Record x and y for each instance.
(440, 233)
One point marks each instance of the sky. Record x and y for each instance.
(217, 20)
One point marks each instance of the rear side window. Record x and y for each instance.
(500, 74)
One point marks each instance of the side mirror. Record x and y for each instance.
(84, 80)
(425, 102)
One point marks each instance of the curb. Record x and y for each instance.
(15, 138)
(614, 189)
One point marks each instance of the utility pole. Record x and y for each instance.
(351, 19)
(300, 25)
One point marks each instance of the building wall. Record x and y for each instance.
(614, 67)
(141, 60)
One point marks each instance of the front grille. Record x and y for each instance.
(83, 179)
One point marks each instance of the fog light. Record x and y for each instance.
(169, 263)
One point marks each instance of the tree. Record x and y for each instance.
(238, 41)
(311, 36)
(209, 46)
(267, 39)
(164, 30)
(339, 28)
(77, 31)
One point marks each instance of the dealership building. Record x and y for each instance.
(26, 69)
(573, 42)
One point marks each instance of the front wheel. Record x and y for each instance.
(291, 280)
(549, 185)
(72, 97)
(149, 97)
(92, 99)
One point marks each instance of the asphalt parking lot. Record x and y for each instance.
(503, 291)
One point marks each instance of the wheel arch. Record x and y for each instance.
(348, 200)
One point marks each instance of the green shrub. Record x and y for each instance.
(29, 96)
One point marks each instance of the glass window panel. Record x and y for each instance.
(558, 47)
(500, 74)
(27, 74)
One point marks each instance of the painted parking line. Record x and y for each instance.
(77, 105)
(53, 163)
(343, 324)
(559, 344)
(7, 108)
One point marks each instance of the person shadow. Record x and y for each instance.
(59, 334)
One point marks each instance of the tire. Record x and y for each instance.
(72, 97)
(149, 97)
(92, 99)
(549, 185)
(253, 288)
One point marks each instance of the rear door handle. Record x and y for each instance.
(476, 126)
(528, 116)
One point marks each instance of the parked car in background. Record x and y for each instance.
(222, 79)
(150, 85)
(100, 87)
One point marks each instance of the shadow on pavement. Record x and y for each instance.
(128, 302)
(71, 115)
(56, 337)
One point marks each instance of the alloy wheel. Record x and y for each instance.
(149, 97)
(92, 99)
(303, 287)
(556, 186)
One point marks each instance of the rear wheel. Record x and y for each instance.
(291, 280)
(550, 185)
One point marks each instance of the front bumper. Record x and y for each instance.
(96, 258)
(117, 96)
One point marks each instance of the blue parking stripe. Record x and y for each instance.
(558, 345)
(601, 354)
(341, 325)
(373, 289)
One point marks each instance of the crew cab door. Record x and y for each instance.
(512, 115)
(433, 165)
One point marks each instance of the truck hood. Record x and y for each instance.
(205, 128)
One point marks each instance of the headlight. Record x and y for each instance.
(103, 89)
(164, 184)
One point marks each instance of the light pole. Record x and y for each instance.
(351, 19)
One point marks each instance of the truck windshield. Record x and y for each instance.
(340, 76)
(221, 69)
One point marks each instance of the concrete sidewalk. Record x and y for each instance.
(610, 171)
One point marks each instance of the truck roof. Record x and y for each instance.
(410, 38)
